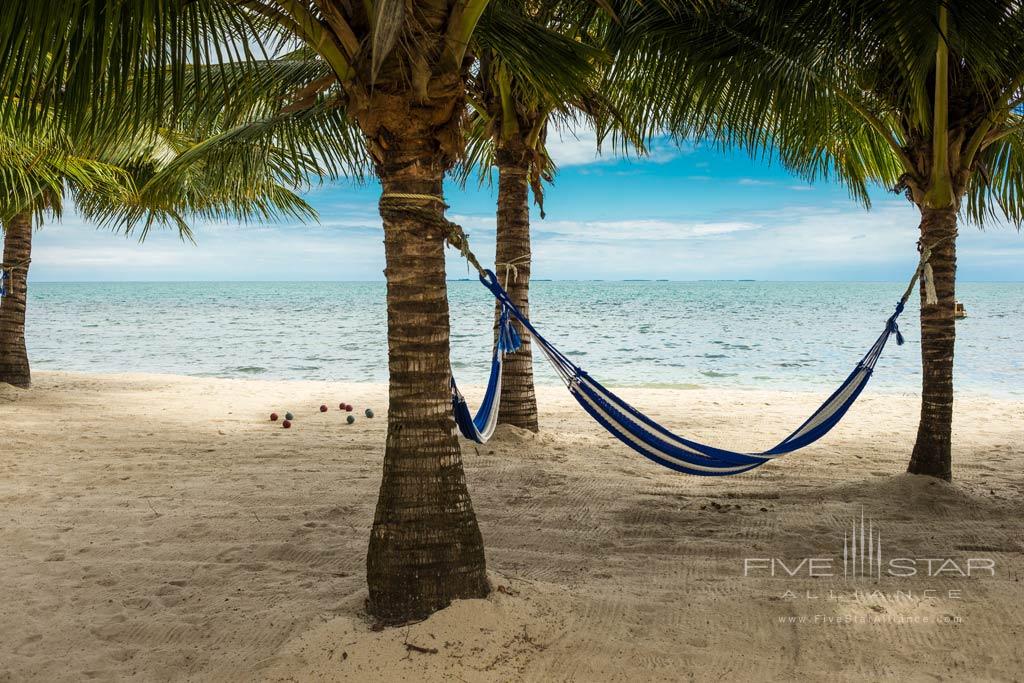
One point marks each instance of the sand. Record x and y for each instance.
(160, 528)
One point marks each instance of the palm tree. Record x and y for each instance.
(398, 69)
(17, 234)
(512, 109)
(34, 175)
(922, 96)
(131, 185)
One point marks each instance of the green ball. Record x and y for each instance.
(289, 416)
(350, 419)
(369, 413)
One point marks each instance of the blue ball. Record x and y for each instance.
(369, 413)
(289, 416)
(350, 419)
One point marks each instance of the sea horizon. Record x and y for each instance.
(472, 279)
(774, 335)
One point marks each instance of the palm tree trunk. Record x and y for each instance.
(14, 367)
(518, 405)
(425, 546)
(932, 451)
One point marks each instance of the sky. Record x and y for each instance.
(685, 212)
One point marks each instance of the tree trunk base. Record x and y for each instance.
(18, 376)
(931, 457)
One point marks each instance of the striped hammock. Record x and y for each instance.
(480, 427)
(640, 432)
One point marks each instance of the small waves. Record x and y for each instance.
(671, 334)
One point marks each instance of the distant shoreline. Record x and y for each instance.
(535, 279)
(472, 389)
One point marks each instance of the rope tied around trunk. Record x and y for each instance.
(511, 267)
(414, 196)
(404, 203)
(925, 272)
(6, 270)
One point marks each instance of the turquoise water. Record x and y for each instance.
(776, 335)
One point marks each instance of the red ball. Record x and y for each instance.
(341, 406)
(348, 407)
(323, 409)
(273, 417)
(287, 424)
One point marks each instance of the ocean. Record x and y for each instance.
(769, 335)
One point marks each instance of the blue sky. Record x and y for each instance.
(683, 213)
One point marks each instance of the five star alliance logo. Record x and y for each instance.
(862, 558)
(862, 553)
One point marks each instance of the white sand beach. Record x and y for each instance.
(161, 528)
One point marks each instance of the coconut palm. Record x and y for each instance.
(403, 82)
(32, 175)
(922, 96)
(398, 69)
(130, 185)
(512, 109)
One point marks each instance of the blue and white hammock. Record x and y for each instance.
(481, 427)
(640, 432)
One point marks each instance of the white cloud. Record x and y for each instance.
(789, 243)
(754, 182)
(833, 241)
(578, 147)
(573, 148)
(106, 257)
(639, 229)
(795, 242)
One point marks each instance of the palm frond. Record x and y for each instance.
(35, 173)
(75, 58)
(838, 89)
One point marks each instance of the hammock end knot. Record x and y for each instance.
(893, 326)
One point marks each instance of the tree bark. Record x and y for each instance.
(14, 368)
(932, 451)
(518, 405)
(425, 546)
